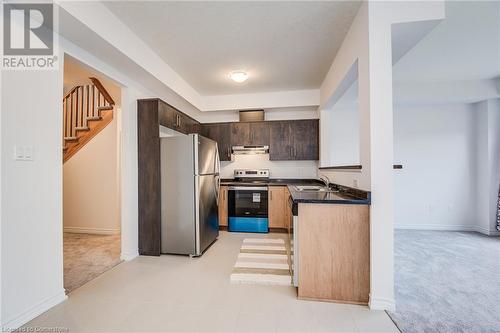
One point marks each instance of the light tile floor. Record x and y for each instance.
(178, 294)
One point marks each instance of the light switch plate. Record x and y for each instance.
(23, 153)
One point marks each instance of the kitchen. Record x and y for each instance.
(325, 226)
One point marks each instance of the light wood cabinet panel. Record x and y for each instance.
(288, 211)
(277, 207)
(334, 252)
(223, 206)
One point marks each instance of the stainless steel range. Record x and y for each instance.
(248, 201)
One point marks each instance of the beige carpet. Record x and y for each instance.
(88, 256)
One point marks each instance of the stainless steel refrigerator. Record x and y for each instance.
(189, 194)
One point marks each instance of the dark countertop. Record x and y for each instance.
(345, 195)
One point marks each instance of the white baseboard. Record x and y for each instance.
(378, 303)
(443, 227)
(449, 227)
(129, 256)
(17, 321)
(95, 231)
(488, 232)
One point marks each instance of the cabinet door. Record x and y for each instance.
(277, 207)
(240, 134)
(190, 125)
(166, 115)
(259, 133)
(219, 133)
(305, 139)
(280, 145)
(223, 206)
(178, 122)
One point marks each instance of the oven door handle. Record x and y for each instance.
(247, 188)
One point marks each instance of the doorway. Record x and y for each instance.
(91, 173)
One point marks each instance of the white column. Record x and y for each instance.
(381, 159)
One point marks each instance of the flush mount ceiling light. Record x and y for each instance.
(238, 76)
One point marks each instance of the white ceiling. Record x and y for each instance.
(204, 41)
(464, 46)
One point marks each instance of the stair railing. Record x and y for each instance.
(82, 104)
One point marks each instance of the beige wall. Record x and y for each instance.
(90, 186)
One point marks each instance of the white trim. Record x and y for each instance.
(129, 256)
(379, 303)
(444, 227)
(95, 231)
(448, 227)
(486, 231)
(21, 319)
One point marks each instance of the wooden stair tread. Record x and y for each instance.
(94, 118)
(105, 108)
(82, 128)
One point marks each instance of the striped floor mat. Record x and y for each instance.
(262, 261)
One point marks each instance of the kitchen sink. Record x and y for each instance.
(313, 188)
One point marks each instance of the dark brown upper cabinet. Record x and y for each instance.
(176, 120)
(259, 133)
(294, 140)
(281, 141)
(250, 133)
(305, 135)
(240, 134)
(219, 132)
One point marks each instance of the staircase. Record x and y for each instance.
(87, 110)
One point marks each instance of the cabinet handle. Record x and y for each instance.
(228, 152)
(271, 195)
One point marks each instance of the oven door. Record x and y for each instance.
(248, 209)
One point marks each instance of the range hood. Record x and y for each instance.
(249, 150)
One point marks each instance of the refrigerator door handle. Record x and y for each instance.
(217, 188)
(217, 160)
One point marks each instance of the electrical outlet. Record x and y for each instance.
(355, 183)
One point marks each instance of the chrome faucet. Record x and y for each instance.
(325, 180)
